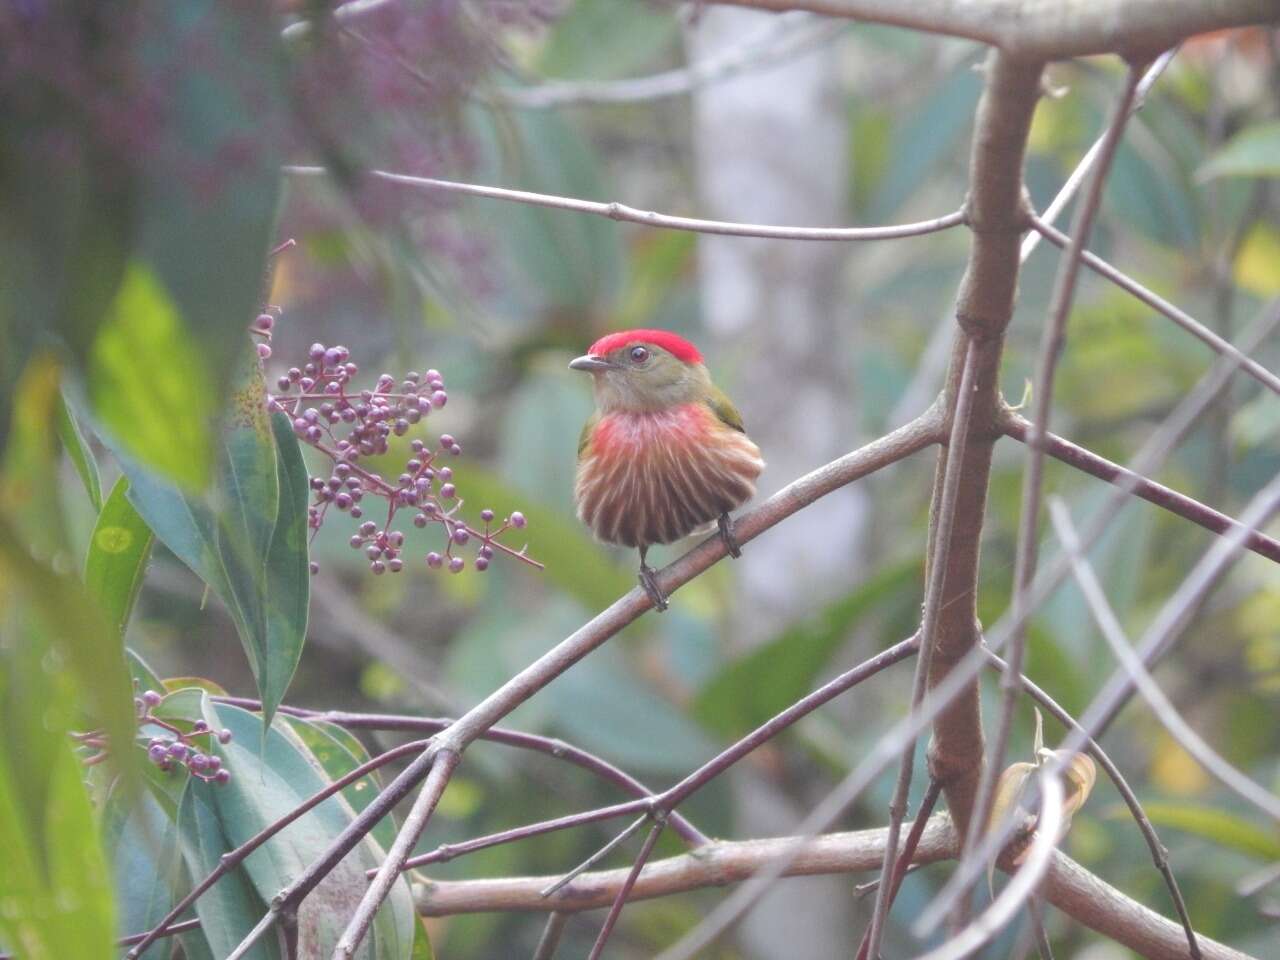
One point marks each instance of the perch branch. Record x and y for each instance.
(622, 212)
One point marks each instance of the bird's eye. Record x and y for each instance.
(639, 354)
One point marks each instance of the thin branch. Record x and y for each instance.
(459, 735)
(939, 551)
(1159, 855)
(1168, 715)
(903, 860)
(622, 212)
(551, 934)
(233, 858)
(1177, 503)
(782, 38)
(624, 891)
(1167, 626)
(1054, 336)
(1047, 30)
(552, 746)
(442, 767)
(599, 855)
(1022, 887)
(1163, 307)
(720, 863)
(1077, 177)
(681, 791)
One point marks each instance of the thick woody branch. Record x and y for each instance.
(1068, 886)
(983, 309)
(1048, 29)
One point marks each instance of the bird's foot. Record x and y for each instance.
(725, 523)
(649, 581)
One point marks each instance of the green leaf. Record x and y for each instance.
(1223, 828)
(145, 370)
(81, 456)
(421, 942)
(271, 776)
(231, 908)
(55, 885)
(340, 753)
(141, 839)
(753, 688)
(117, 561)
(1253, 152)
(83, 639)
(246, 539)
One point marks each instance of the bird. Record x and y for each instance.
(665, 454)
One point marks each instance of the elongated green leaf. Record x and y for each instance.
(54, 885)
(246, 540)
(754, 688)
(81, 456)
(340, 753)
(118, 551)
(1253, 152)
(83, 639)
(141, 839)
(270, 777)
(1220, 826)
(229, 910)
(143, 371)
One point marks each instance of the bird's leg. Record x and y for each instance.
(725, 523)
(650, 583)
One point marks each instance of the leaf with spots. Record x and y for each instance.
(117, 560)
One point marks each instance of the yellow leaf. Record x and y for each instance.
(1174, 770)
(1257, 266)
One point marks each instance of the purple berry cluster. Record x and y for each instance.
(348, 425)
(182, 749)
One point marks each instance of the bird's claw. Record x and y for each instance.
(725, 523)
(650, 583)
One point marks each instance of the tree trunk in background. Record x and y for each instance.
(771, 147)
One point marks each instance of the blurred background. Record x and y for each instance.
(823, 346)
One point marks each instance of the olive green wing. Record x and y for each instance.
(724, 409)
(584, 437)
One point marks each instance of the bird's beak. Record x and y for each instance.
(590, 364)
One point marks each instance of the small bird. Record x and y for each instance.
(665, 454)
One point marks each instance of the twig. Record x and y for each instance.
(681, 791)
(622, 212)
(624, 891)
(937, 566)
(1077, 177)
(1163, 631)
(443, 763)
(1022, 887)
(1164, 710)
(1163, 307)
(783, 38)
(551, 934)
(1159, 855)
(233, 858)
(513, 738)
(599, 855)
(1177, 503)
(902, 861)
(1051, 344)
(457, 736)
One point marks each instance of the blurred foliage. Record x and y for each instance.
(127, 282)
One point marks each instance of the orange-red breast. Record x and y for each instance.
(665, 453)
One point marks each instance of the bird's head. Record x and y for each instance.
(644, 370)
